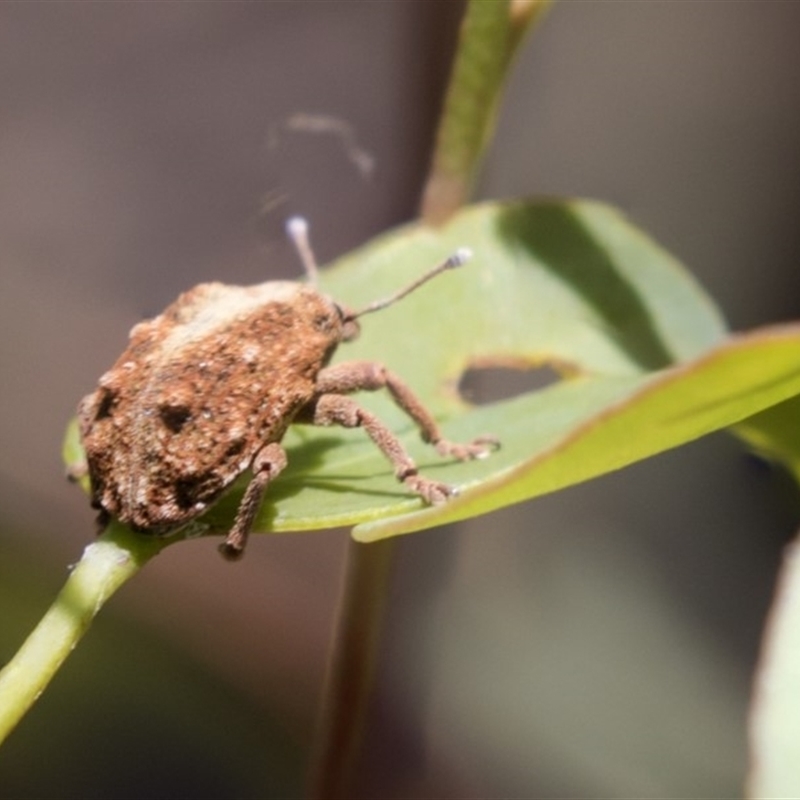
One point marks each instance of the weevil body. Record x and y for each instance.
(206, 391)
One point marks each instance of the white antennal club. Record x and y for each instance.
(297, 230)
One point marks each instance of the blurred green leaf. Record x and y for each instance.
(775, 715)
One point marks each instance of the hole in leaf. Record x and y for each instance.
(483, 385)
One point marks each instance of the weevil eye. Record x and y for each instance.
(324, 323)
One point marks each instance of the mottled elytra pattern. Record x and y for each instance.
(205, 392)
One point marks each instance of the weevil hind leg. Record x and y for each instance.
(269, 462)
(370, 376)
(335, 409)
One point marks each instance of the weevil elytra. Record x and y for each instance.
(206, 391)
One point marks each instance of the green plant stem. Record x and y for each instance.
(351, 668)
(491, 34)
(106, 564)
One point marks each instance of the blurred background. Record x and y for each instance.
(599, 642)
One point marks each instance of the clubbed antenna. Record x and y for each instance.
(297, 230)
(460, 257)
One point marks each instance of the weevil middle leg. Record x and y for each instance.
(370, 376)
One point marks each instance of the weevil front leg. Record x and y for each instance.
(267, 465)
(369, 376)
(335, 409)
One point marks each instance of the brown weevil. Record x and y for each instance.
(206, 391)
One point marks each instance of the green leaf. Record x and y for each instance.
(566, 284)
(645, 360)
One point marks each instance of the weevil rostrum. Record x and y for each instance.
(205, 392)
